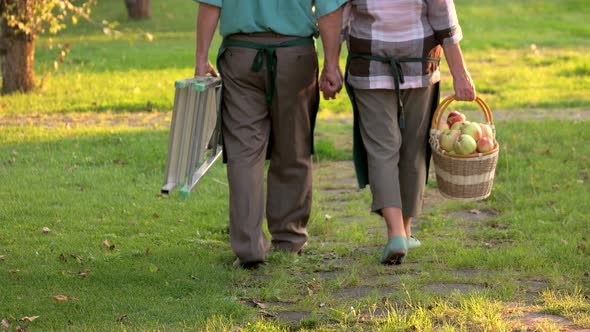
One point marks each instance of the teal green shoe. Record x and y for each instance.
(413, 242)
(395, 251)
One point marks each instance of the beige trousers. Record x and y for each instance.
(396, 157)
(249, 125)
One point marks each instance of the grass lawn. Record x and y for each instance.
(87, 243)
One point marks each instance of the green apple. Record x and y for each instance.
(472, 129)
(448, 139)
(465, 144)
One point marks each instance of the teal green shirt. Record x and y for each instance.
(286, 17)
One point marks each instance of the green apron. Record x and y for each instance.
(359, 153)
(271, 68)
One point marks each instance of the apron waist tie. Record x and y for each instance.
(271, 58)
(395, 65)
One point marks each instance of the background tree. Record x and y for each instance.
(139, 9)
(21, 22)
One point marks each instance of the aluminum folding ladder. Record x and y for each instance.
(195, 133)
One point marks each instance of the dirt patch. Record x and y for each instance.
(432, 199)
(444, 289)
(361, 292)
(162, 119)
(533, 320)
(292, 317)
(535, 114)
(475, 215)
(81, 120)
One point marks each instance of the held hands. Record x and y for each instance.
(205, 67)
(331, 81)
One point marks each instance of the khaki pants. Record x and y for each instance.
(396, 157)
(249, 124)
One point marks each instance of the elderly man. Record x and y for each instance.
(270, 99)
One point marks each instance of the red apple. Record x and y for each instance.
(455, 116)
(447, 140)
(485, 144)
(465, 144)
(472, 129)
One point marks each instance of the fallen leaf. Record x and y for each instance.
(62, 298)
(21, 328)
(580, 181)
(107, 245)
(46, 230)
(13, 271)
(267, 314)
(13, 152)
(260, 305)
(28, 318)
(327, 217)
(77, 258)
(475, 211)
(5, 324)
(2, 257)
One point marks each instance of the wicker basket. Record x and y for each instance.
(463, 177)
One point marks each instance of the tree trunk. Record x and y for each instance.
(139, 9)
(17, 57)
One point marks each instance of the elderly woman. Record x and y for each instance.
(392, 79)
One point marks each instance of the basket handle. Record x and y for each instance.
(438, 113)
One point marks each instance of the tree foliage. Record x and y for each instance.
(34, 17)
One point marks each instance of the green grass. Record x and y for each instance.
(166, 261)
(170, 264)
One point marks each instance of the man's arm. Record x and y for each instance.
(462, 83)
(206, 25)
(330, 27)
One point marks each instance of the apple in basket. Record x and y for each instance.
(472, 129)
(460, 125)
(486, 130)
(448, 139)
(443, 126)
(455, 116)
(485, 144)
(465, 144)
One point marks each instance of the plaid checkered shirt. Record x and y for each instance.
(401, 29)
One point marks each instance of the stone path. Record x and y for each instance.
(162, 119)
(336, 187)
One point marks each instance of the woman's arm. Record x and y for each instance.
(462, 83)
